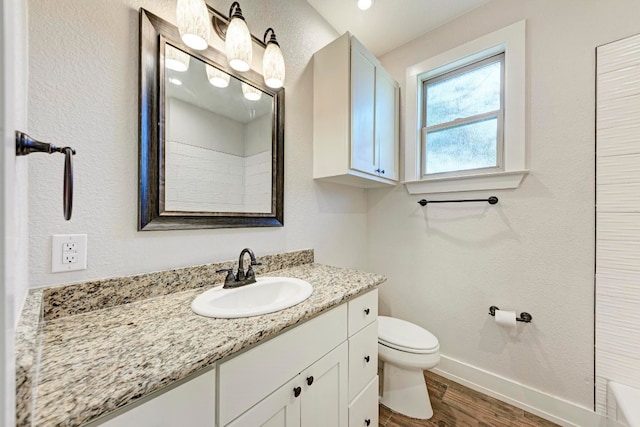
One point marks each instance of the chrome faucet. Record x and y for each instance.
(241, 278)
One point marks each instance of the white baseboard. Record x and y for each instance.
(531, 400)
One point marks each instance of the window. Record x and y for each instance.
(462, 115)
(465, 124)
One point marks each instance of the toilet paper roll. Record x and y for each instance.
(506, 319)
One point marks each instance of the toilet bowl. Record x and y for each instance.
(406, 350)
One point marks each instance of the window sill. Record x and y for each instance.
(451, 184)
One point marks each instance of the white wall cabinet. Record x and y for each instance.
(355, 117)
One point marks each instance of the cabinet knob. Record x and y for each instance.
(367, 422)
(367, 311)
(382, 171)
(310, 380)
(297, 391)
(367, 359)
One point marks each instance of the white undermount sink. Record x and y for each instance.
(267, 295)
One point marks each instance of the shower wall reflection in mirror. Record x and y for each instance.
(218, 140)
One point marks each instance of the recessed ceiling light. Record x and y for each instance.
(175, 81)
(364, 4)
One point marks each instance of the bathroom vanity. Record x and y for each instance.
(321, 373)
(155, 362)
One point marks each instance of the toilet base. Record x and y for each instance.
(405, 391)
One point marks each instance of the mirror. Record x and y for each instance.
(211, 139)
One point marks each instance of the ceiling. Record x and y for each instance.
(389, 24)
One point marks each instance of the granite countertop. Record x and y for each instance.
(87, 365)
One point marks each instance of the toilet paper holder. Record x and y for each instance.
(524, 317)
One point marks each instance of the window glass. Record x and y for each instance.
(462, 118)
(469, 146)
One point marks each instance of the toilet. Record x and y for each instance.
(406, 350)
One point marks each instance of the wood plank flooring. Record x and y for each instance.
(457, 406)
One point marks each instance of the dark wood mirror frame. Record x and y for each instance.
(154, 34)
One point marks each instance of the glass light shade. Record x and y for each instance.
(364, 4)
(273, 66)
(216, 77)
(238, 45)
(193, 23)
(175, 59)
(251, 93)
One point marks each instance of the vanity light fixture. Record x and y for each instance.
(238, 40)
(175, 59)
(364, 4)
(216, 77)
(272, 62)
(194, 26)
(193, 23)
(250, 92)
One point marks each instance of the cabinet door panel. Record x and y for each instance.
(387, 137)
(324, 402)
(363, 89)
(279, 409)
(363, 358)
(363, 411)
(363, 311)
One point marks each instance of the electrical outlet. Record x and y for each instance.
(68, 252)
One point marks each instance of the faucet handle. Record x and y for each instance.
(230, 276)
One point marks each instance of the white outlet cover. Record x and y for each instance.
(57, 243)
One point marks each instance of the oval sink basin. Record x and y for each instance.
(267, 295)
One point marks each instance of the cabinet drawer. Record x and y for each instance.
(362, 311)
(363, 411)
(363, 358)
(249, 377)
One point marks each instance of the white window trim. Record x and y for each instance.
(510, 40)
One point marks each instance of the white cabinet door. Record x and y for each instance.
(387, 136)
(191, 403)
(363, 90)
(315, 398)
(324, 392)
(279, 409)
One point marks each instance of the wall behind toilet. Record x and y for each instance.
(534, 251)
(84, 93)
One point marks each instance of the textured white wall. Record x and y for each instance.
(83, 92)
(534, 251)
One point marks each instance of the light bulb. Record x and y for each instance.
(273, 63)
(175, 59)
(251, 93)
(217, 77)
(364, 4)
(238, 45)
(193, 23)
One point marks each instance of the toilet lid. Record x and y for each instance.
(405, 336)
